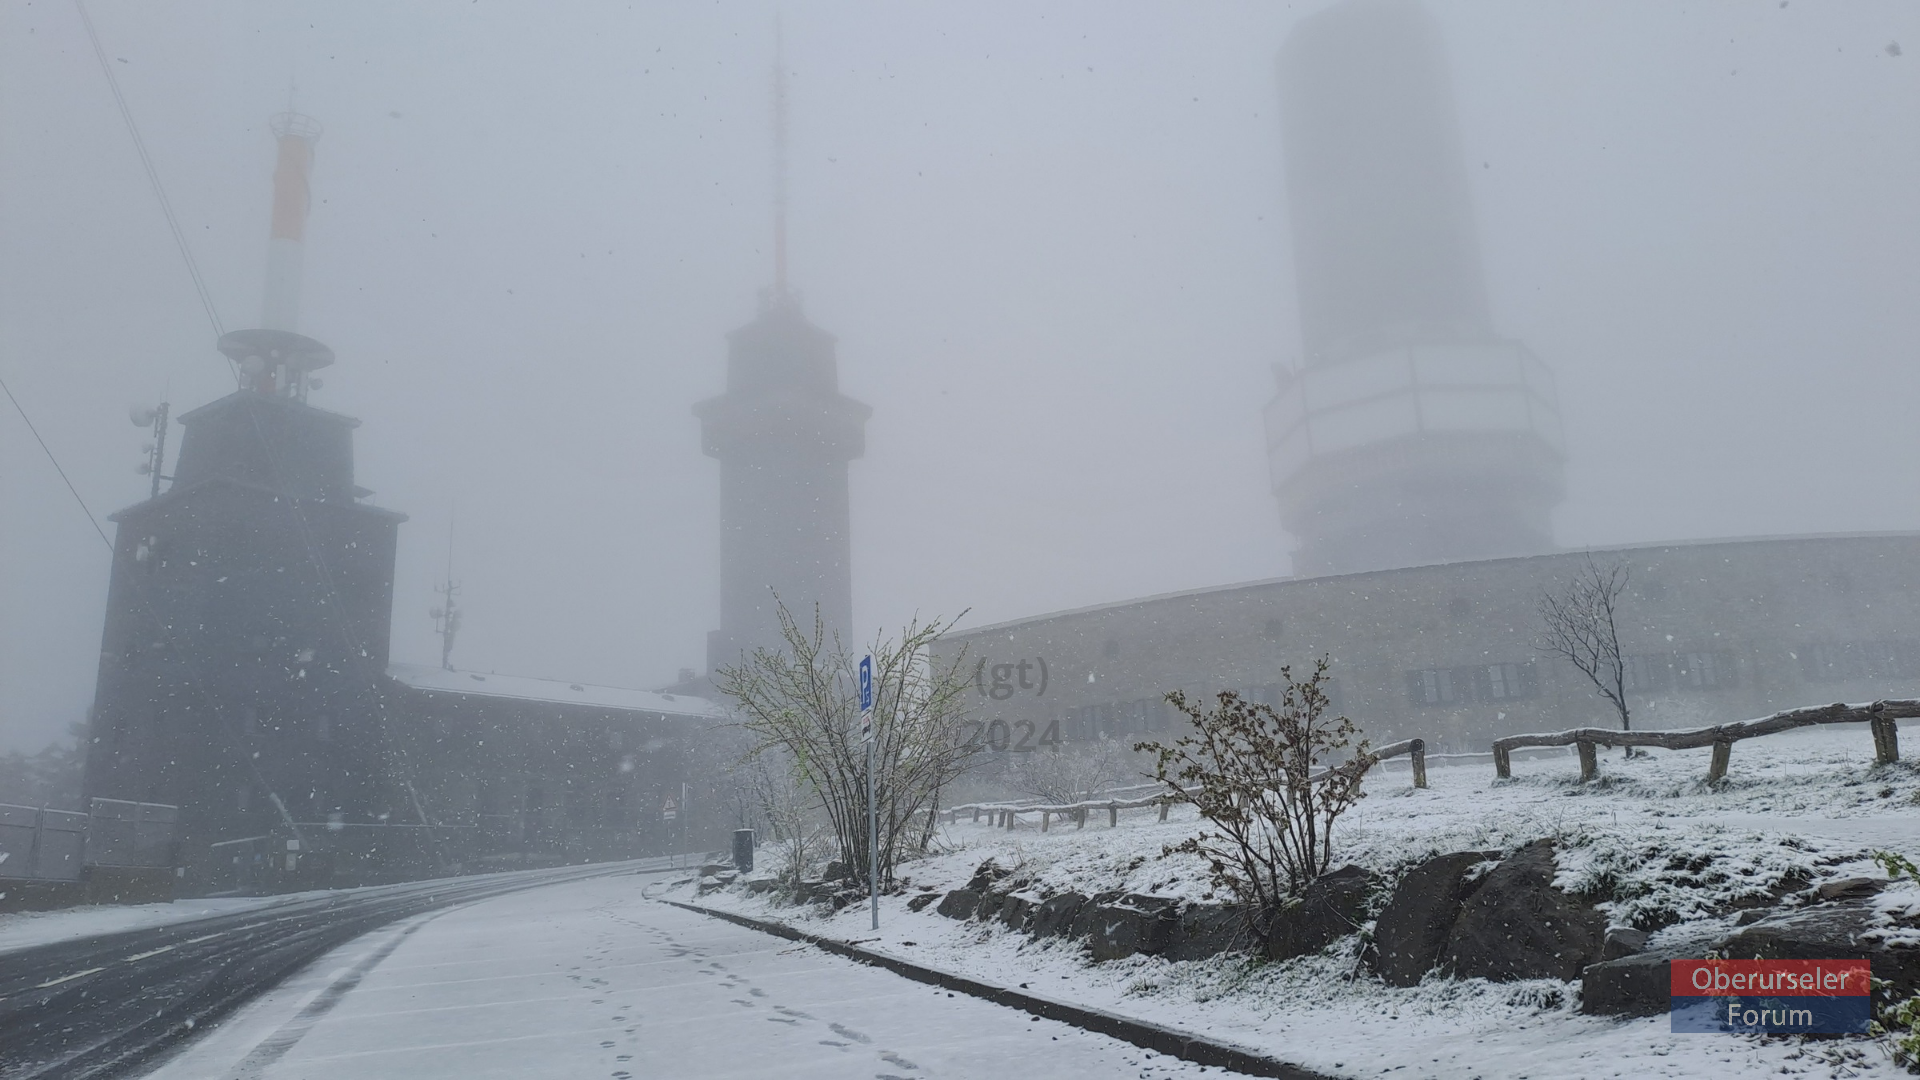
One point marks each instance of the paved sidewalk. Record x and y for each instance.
(589, 979)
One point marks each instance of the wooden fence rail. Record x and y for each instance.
(1879, 715)
(1008, 814)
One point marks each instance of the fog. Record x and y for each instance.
(1051, 240)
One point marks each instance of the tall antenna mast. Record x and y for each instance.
(779, 163)
(446, 617)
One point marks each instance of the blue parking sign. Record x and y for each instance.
(866, 697)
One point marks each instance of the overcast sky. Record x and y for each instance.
(1049, 237)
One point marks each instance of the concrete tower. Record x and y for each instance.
(248, 611)
(784, 434)
(1410, 433)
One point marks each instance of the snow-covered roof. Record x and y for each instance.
(441, 681)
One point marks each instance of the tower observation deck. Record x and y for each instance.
(783, 434)
(1411, 433)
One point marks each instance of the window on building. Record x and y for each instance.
(1432, 686)
(1482, 682)
(1832, 661)
(1711, 670)
(1647, 673)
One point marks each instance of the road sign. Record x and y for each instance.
(866, 697)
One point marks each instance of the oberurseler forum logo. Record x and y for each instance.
(1774, 997)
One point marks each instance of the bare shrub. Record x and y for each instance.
(1076, 773)
(804, 700)
(1582, 623)
(1256, 775)
(785, 809)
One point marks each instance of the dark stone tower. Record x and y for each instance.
(1411, 433)
(784, 435)
(247, 618)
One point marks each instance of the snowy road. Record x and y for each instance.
(590, 979)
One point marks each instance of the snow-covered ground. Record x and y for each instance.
(25, 929)
(1649, 836)
(592, 979)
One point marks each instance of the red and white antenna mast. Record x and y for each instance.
(292, 197)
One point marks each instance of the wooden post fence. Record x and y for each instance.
(1880, 716)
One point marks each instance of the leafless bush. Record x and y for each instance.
(1250, 770)
(1076, 773)
(804, 700)
(783, 807)
(1582, 628)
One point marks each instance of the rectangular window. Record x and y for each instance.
(1831, 661)
(1648, 673)
(1485, 682)
(1433, 686)
(1703, 670)
(1497, 681)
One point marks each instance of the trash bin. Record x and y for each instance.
(743, 850)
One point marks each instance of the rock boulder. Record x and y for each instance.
(1412, 932)
(1207, 930)
(1329, 908)
(1516, 925)
(959, 904)
(1054, 916)
(1827, 931)
(1122, 929)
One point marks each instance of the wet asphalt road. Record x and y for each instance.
(100, 1006)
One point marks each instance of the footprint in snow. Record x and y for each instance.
(757, 992)
(892, 1058)
(791, 1012)
(830, 1042)
(848, 1033)
(606, 1044)
(782, 1020)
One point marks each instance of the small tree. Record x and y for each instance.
(50, 777)
(777, 798)
(1582, 627)
(1255, 774)
(804, 700)
(1076, 773)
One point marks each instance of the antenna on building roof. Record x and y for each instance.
(446, 617)
(779, 164)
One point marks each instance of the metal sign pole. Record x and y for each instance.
(873, 826)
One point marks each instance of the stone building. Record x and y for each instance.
(244, 671)
(1416, 455)
(1714, 631)
(244, 677)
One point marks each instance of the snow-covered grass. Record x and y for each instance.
(1649, 843)
(26, 929)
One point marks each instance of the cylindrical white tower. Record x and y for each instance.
(280, 309)
(1411, 432)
